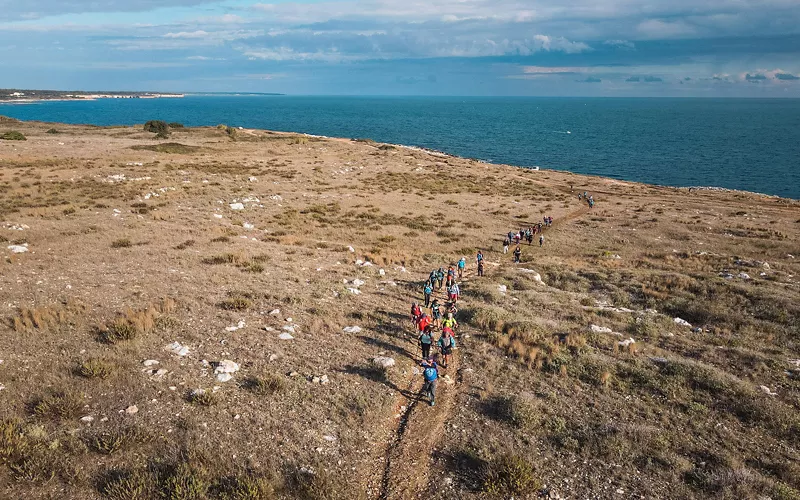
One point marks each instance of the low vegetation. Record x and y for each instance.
(12, 135)
(576, 373)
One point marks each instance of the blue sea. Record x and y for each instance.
(747, 144)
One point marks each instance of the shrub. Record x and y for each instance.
(113, 440)
(268, 384)
(245, 486)
(13, 135)
(58, 406)
(186, 244)
(157, 127)
(509, 475)
(118, 331)
(95, 368)
(236, 303)
(121, 243)
(175, 125)
(53, 131)
(202, 397)
(118, 484)
(184, 481)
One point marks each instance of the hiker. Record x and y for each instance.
(461, 265)
(430, 370)
(516, 239)
(510, 235)
(529, 236)
(454, 292)
(436, 313)
(428, 290)
(450, 322)
(451, 277)
(506, 242)
(432, 278)
(479, 261)
(446, 343)
(426, 341)
(541, 241)
(452, 309)
(440, 277)
(517, 254)
(416, 312)
(423, 322)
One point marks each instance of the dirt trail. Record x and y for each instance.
(420, 427)
(418, 430)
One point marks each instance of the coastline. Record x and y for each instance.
(433, 152)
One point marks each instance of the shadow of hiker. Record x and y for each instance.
(386, 346)
(379, 374)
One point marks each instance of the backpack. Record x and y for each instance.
(428, 290)
(480, 257)
(430, 374)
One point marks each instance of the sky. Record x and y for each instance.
(710, 48)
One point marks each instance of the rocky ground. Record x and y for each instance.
(223, 313)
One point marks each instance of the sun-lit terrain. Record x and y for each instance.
(199, 316)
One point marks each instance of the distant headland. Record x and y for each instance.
(22, 95)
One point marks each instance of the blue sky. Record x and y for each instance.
(713, 48)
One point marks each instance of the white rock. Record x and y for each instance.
(767, 390)
(197, 392)
(357, 282)
(359, 262)
(383, 361)
(285, 336)
(354, 291)
(744, 276)
(160, 373)
(132, 410)
(601, 329)
(237, 206)
(381, 272)
(289, 320)
(367, 264)
(626, 343)
(177, 348)
(330, 439)
(247, 225)
(18, 248)
(447, 380)
(150, 362)
(218, 216)
(87, 419)
(273, 357)
(253, 179)
(502, 289)
(351, 249)
(275, 312)
(224, 377)
(289, 328)
(352, 329)
(682, 322)
(226, 366)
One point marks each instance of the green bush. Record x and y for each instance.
(95, 368)
(157, 127)
(175, 125)
(13, 135)
(509, 475)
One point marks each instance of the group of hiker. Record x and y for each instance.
(442, 316)
(441, 320)
(586, 197)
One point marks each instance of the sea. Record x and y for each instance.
(743, 144)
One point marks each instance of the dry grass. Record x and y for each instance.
(682, 408)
